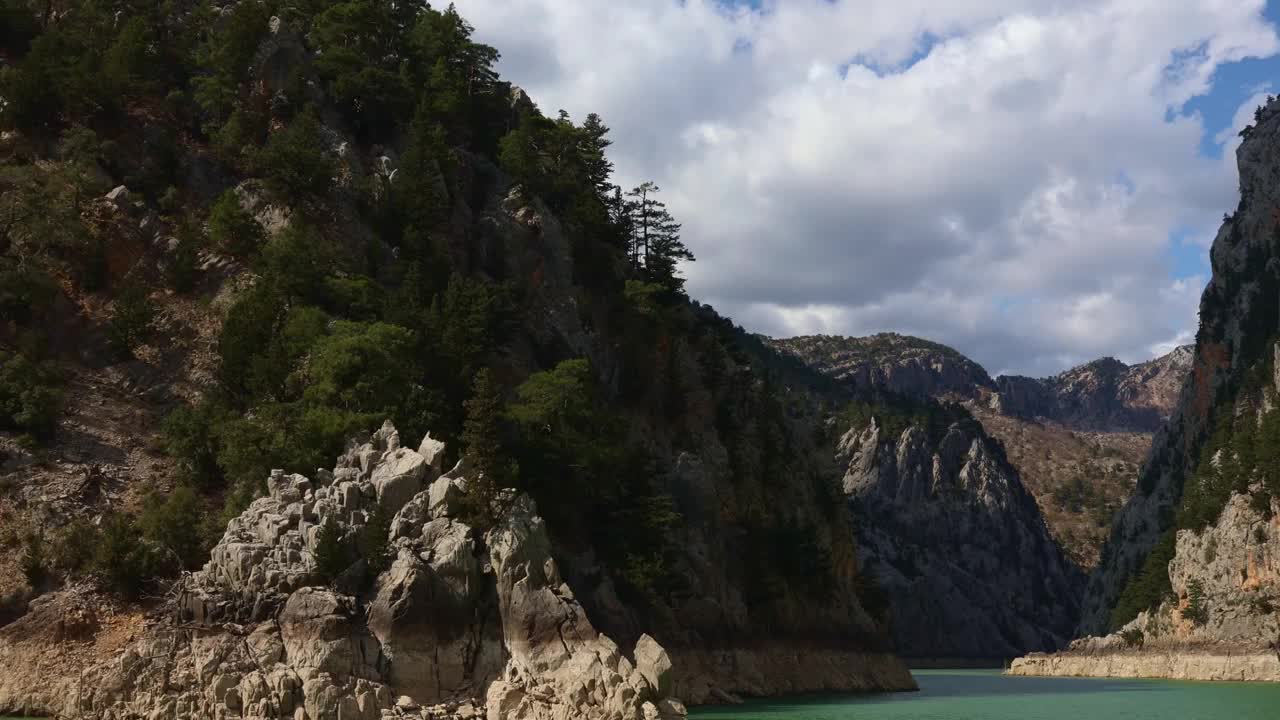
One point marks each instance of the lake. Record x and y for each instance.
(988, 695)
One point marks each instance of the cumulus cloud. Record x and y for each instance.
(1001, 175)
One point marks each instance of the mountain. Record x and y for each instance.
(900, 364)
(1104, 395)
(243, 240)
(946, 525)
(1101, 396)
(1187, 586)
(1076, 439)
(956, 541)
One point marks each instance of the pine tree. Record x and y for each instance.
(592, 147)
(492, 471)
(331, 551)
(1196, 611)
(374, 542)
(33, 560)
(655, 247)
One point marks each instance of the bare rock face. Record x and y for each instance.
(1237, 327)
(560, 666)
(1235, 565)
(433, 612)
(1104, 395)
(1222, 577)
(455, 620)
(1220, 624)
(904, 365)
(958, 543)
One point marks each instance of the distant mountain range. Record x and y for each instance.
(1077, 439)
(1104, 395)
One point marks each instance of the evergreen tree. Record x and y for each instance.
(1196, 611)
(594, 142)
(375, 542)
(331, 550)
(226, 58)
(358, 46)
(233, 229)
(172, 524)
(131, 318)
(296, 161)
(492, 472)
(655, 247)
(183, 270)
(33, 561)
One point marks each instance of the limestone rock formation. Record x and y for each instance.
(1103, 395)
(559, 665)
(955, 539)
(1221, 622)
(901, 364)
(256, 634)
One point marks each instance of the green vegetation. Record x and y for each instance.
(233, 229)
(1150, 586)
(492, 470)
(893, 414)
(296, 161)
(332, 554)
(131, 317)
(30, 396)
(33, 562)
(1197, 610)
(130, 556)
(385, 296)
(1133, 637)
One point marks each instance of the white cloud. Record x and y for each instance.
(1000, 175)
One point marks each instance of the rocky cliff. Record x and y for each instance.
(1190, 561)
(460, 620)
(1076, 438)
(954, 538)
(1103, 395)
(900, 364)
(1220, 622)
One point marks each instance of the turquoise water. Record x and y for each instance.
(988, 695)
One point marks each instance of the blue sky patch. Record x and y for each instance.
(1233, 83)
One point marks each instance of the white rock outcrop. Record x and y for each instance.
(458, 626)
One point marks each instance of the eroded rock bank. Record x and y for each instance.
(1219, 622)
(1190, 663)
(462, 624)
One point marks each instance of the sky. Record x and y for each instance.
(1033, 182)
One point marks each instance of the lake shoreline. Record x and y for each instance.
(1244, 665)
(968, 694)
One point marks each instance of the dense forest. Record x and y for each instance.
(330, 153)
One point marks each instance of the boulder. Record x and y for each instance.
(397, 478)
(432, 451)
(560, 666)
(318, 634)
(654, 664)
